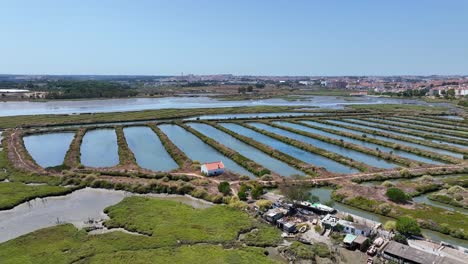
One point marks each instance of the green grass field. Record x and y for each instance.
(177, 233)
(14, 193)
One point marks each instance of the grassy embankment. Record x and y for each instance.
(175, 233)
(362, 166)
(16, 191)
(429, 217)
(424, 128)
(177, 154)
(126, 156)
(398, 108)
(73, 156)
(310, 148)
(455, 195)
(423, 153)
(250, 165)
(147, 115)
(410, 132)
(298, 164)
(413, 121)
(397, 137)
(442, 121)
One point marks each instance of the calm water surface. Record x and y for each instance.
(137, 104)
(300, 154)
(246, 150)
(148, 149)
(357, 142)
(414, 145)
(99, 148)
(74, 208)
(48, 150)
(359, 156)
(196, 149)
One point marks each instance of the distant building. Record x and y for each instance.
(212, 168)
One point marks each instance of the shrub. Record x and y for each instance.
(400, 239)
(396, 195)
(390, 225)
(256, 192)
(407, 226)
(267, 177)
(242, 195)
(384, 209)
(244, 178)
(224, 188)
(264, 204)
(349, 218)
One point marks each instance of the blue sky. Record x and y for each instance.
(274, 37)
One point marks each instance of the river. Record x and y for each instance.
(137, 104)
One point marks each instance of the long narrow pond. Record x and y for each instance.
(410, 120)
(99, 148)
(324, 195)
(403, 126)
(246, 150)
(352, 154)
(300, 154)
(403, 123)
(75, 208)
(148, 150)
(414, 145)
(358, 142)
(196, 149)
(48, 150)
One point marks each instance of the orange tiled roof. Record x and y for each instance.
(214, 165)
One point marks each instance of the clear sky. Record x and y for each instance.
(256, 37)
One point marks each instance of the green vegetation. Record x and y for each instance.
(396, 195)
(310, 148)
(15, 193)
(176, 153)
(224, 188)
(126, 156)
(264, 236)
(240, 159)
(393, 136)
(73, 156)
(86, 89)
(397, 107)
(365, 138)
(298, 164)
(430, 217)
(302, 251)
(407, 226)
(66, 244)
(345, 160)
(148, 115)
(455, 195)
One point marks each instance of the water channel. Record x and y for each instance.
(196, 149)
(302, 155)
(246, 150)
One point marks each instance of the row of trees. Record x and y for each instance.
(87, 89)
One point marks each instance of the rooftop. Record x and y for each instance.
(214, 165)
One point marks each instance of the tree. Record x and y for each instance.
(249, 88)
(295, 193)
(224, 188)
(241, 89)
(242, 195)
(407, 226)
(256, 192)
(396, 195)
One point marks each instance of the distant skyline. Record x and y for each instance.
(321, 38)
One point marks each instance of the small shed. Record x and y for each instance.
(361, 242)
(348, 241)
(274, 215)
(287, 226)
(212, 168)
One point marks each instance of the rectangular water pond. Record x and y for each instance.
(148, 150)
(48, 150)
(246, 150)
(196, 149)
(300, 154)
(99, 148)
(360, 142)
(410, 144)
(352, 154)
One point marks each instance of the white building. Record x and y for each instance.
(212, 168)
